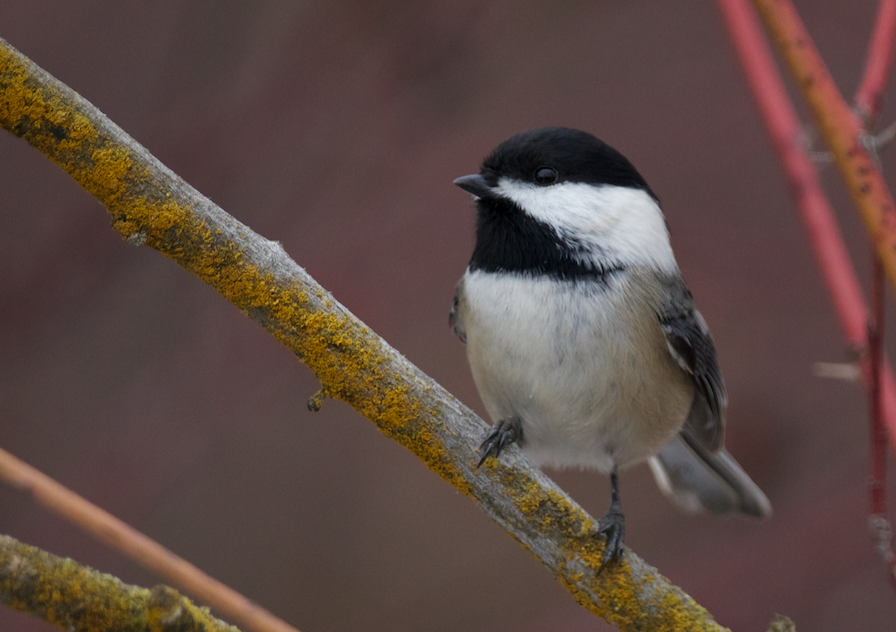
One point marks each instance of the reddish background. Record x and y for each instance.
(336, 128)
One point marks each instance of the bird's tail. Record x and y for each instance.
(697, 480)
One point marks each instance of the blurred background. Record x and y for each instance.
(336, 128)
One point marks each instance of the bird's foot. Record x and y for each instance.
(505, 433)
(612, 528)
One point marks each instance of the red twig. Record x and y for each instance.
(785, 130)
(869, 96)
(118, 535)
(868, 102)
(881, 530)
(875, 357)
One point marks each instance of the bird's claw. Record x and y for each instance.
(612, 528)
(505, 433)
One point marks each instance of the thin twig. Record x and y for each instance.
(148, 553)
(150, 205)
(869, 96)
(875, 360)
(868, 102)
(784, 128)
(879, 526)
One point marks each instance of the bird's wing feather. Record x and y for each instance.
(690, 343)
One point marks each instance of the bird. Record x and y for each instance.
(582, 337)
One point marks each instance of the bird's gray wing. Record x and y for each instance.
(690, 343)
(454, 319)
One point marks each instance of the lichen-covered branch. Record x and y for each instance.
(151, 205)
(74, 597)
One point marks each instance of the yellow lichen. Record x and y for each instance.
(71, 596)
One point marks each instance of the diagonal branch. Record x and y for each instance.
(150, 205)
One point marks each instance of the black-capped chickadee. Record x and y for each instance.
(583, 339)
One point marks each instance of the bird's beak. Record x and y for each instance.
(475, 185)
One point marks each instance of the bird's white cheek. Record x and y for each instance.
(622, 223)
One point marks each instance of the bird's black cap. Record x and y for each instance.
(576, 156)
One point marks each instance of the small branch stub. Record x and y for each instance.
(316, 401)
(782, 624)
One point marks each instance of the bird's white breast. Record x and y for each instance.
(585, 368)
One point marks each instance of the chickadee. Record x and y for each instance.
(583, 339)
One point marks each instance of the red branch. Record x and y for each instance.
(868, 102)
(785, 130)
(875, 356)
(869, 96)
(881, 530)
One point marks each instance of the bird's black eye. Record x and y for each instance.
(545, 176)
